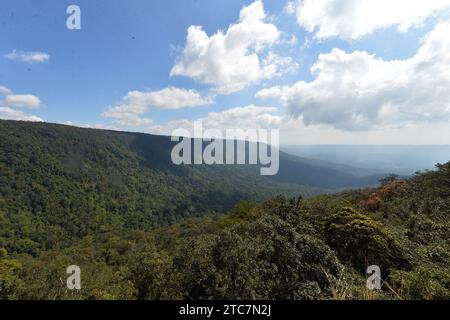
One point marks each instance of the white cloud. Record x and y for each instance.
(7, 113)
(28, 57)
(358, 91)
(234, 59)
(23, 100)
(4, 90)
(91, 126)
(169, 98)
(136, 103)
(12, 101)
(353, 19)
(249, 117)
(124, 118)
(295, 132)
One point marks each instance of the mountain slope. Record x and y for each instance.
(282, 249)
(61, 182)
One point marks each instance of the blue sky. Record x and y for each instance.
(132, 46)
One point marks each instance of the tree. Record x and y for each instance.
(388, 179)
(263, 259)
(9, 276)
(359, 240)
(147, 272)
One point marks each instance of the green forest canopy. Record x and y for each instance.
(94, 210)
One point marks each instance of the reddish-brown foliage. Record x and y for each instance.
(373, 203)
(385, 193)
(392, 189)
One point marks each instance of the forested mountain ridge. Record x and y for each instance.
(58, 183)
(317, 248)
(141, 228)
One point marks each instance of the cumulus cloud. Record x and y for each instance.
(170, 98)
(91, 126)
(4, 90)
(23, 101)
(359, 91)
(136, 103)
(7, 113)
(126, 118)
(353, 19)
(27, 56)
(294, 132)
(254, 117)
(234, 59)
(12, 101)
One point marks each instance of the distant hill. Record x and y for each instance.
(323, 174)
(398, 159)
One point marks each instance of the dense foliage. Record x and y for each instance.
(59, 184)
(162, 245)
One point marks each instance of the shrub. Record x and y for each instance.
(359, 240)
(422, 284)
